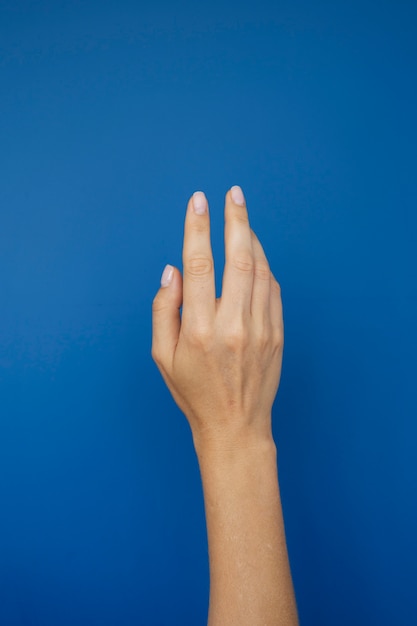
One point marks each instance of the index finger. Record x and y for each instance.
(199, 290)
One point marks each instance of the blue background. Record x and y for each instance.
(111, 115)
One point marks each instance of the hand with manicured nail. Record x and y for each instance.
(221, 360)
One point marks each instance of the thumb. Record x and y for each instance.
(166, 319)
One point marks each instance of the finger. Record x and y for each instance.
(239, 263)
(260, 303)
(166, 318)
(277, 320)
(199, 292)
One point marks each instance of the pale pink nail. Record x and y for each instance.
(237, 195)
(199, 203)
(167, 275)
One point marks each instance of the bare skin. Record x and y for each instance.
(221, 360)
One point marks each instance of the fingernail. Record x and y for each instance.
(199, 203)
(237, 195)
(167, 275)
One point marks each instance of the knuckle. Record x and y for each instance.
(236, 337)
(262, 270)
(244, 263)
(263, 338)
(157, 304)
(155, 355)
(241, 216)
(199, 225)
(198, 267)
(278, 338)
(200, 337)
(276, 286)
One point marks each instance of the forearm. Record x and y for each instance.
(250, 578)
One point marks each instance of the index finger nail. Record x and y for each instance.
(237, 195)
(199, 203)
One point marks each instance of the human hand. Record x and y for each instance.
(221, 359)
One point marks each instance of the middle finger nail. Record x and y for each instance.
(199, 203)
(237, 195)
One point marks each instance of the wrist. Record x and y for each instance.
(227, 447)
(242, 475)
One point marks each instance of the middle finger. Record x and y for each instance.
(239, 261)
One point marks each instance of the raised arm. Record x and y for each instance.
(221, 359)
